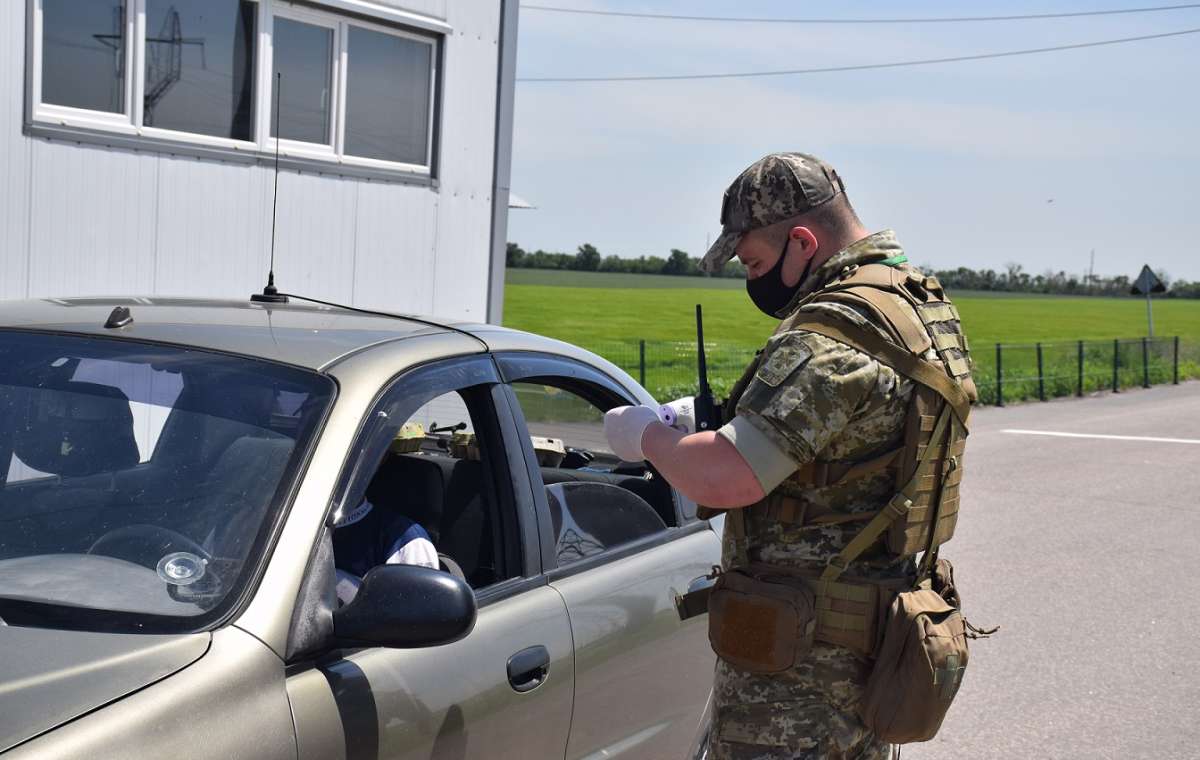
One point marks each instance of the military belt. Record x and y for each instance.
(850, 612)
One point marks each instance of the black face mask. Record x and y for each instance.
(769, 293)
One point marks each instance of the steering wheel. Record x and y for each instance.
(145, 544)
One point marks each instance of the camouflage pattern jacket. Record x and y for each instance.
(821, 400)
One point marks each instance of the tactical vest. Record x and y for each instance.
(926, 345)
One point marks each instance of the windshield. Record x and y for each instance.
(137, 481)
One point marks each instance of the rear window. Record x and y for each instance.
(137, 481)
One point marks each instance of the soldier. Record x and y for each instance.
(815, 436)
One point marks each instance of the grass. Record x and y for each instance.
(610, 312)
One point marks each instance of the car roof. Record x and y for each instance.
(308, 335)
(299, 333)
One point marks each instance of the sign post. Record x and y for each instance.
(1147, 282)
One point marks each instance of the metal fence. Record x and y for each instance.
(1004, 372)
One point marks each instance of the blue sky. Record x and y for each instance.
(961, 159)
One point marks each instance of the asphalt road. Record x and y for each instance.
(1086, 551)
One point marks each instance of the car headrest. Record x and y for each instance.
(76, 428)
(413, 485)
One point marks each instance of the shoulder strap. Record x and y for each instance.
(903, 320)
(735, 523)
(899, 359)
(931, 549)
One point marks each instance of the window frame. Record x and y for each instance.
(453, 375)
(266, 81)
(430, 123)
(126, 129)
(582, 379)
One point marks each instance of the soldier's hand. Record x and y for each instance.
(624, 427)
(680, 414)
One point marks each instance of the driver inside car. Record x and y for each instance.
(364, 538)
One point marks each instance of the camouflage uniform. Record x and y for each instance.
(807, 398)
(816, 399)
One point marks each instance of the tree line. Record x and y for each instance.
(588, 259)
(1012, 279)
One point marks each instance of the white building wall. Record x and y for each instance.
(85, 219)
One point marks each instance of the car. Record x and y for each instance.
(175, 515)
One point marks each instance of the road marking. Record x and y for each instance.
(1106, 437)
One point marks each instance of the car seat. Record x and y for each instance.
(75, 429)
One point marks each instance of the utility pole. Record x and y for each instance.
(1091, 270)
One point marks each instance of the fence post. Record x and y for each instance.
(642, 363)
(1175, 361)
(1041, 378)
(1145, 362)
(999, 376)
(1079, 387)
(1116, 358)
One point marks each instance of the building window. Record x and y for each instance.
(198, 70)
(303, 72)
(388, 82)
(205, 72)
(83, 59)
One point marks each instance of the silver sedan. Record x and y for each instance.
(213, 516)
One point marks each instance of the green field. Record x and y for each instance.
(610, 313)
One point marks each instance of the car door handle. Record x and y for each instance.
(528, 669)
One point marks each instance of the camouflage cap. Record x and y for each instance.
(774, 188)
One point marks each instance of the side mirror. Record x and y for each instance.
(404, 606)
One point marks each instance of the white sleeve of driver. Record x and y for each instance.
(418, 551)
(771, 465)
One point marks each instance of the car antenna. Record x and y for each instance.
(270, 293)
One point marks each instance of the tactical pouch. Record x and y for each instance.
(759, 622)
(919, 664)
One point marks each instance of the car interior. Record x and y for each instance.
(443, 478)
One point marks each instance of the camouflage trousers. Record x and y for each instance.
(807, 712)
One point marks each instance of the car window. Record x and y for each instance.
(596, 502)
(139, 477)
(435, 491)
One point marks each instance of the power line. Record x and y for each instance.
(861, 66)
(936, 20)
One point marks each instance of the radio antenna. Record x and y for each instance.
(270, 293)
(707, 411)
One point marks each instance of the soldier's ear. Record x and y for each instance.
(802, 246)
(804, 239)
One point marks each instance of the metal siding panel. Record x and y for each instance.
(14, 154)
(314, 242)
(92, 220)
(395, 247)
(213, 228)
(468, 124)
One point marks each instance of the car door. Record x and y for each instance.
(503, 691)
(642, 675)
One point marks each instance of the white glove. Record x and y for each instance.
(679, 414)
(624, 427)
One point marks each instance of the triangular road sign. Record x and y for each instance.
(1147, 282)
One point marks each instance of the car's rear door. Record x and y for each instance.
(503, 691)
(642, 675)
